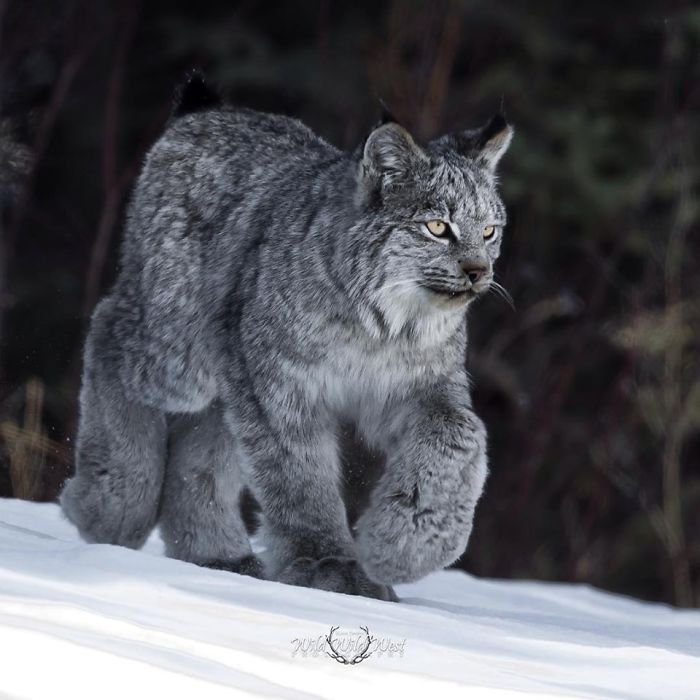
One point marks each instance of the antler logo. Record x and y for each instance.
(356, 658)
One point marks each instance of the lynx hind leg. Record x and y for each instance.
(113, 496)
(200, 517)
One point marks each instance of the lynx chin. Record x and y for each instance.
(271, 288)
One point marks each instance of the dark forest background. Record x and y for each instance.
(590, 388)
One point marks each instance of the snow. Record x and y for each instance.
(88, 621)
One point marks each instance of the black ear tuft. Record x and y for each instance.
(195, 95)
(387, 116)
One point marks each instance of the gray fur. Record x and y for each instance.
(278, 286)
(200, 517)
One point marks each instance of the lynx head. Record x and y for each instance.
(432, 220)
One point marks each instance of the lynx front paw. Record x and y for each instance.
(338, 574)
(400, 542)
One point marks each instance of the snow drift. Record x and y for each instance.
(87, 621)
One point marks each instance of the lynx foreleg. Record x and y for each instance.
(293, 453)
(420, 514)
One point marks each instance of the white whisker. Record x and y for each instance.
(503, 293)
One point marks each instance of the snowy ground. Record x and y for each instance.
(93, 621)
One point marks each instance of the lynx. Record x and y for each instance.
(272, 287)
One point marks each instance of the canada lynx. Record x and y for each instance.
(272, 286)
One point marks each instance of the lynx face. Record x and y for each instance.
(434, 217)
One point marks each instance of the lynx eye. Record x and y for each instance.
(489, 231)
(437, 227)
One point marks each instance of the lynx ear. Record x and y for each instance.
(493, 141)
(390, 149)
(485, 145)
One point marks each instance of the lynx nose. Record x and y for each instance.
(475, 271)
